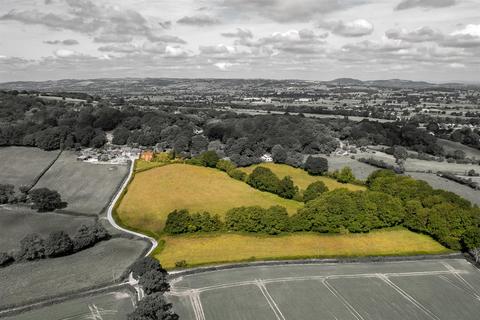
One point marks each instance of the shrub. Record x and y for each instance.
(237, 174)
(345, 175)
(209, 159)
(314, 190)
(181, 264)
(7, 193)
(46, 200)
(316, 165)
(5, 259)
(225, 165)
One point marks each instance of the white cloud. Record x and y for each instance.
(355, 28)
(176, 52)
(65, 53)
(470, 30)
(223, 65)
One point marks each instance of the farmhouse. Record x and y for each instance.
(147, 155)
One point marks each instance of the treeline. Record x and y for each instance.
(465, 181)
(152, 278)
(41, 199)
(56, 244)
(391, 200)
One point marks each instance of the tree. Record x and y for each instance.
(86, 236)
(154, 281)
(199, 144)
(209, 159)
(153, 307)
(314, 190)
(58, 244)
(5, 259)
(286, 188)
(471, 241)
(401, 155)
(46, 200)
(145, 264)
(264, 179)
(279, 154)
(32, 247)
(7, 193)
(316, 165)
(345, 175)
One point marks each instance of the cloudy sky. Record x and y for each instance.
(434, 40)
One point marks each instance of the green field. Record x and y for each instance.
(16, 223)
(86, 187)
(209, 249)
(106, 306)
(101, 264)
(300, 177)
(156, 192)
(20, 166)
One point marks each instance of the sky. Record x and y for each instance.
(431, 40)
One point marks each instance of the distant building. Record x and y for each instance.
(266, 158)
(147, 155)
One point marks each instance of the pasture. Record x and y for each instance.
(87, 187)
(429, 289)
(101, 264)
(113, 305)
(156, 192)
(16, 223)
(222, 248)
(20, 166)
(360, 170)
(451, 146)
(448, 185)
(300, 177)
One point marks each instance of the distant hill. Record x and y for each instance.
(154, 85)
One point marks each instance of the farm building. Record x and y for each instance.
(147, 155)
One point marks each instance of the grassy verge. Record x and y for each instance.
(301, 178)
(199, 250)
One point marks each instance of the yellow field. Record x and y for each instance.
(300, 177)
(209, 249)
(156, 192)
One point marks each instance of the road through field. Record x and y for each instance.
(112, 221)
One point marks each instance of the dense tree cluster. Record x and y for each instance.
(444, 215)
(314, 190)
(152, 277)
(57, 244)
(392, 134)
(181, 221)
(316, 165)
(264, 179)
(44, 200)
(256, 219)
(342, 210)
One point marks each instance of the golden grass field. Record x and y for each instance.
(300, 177)
(222, 248)
(156, 192)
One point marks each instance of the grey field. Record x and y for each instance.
(86, 187)
(428, 289)
(113, 305)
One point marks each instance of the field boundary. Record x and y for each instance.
(41, 174)
(373, 259)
